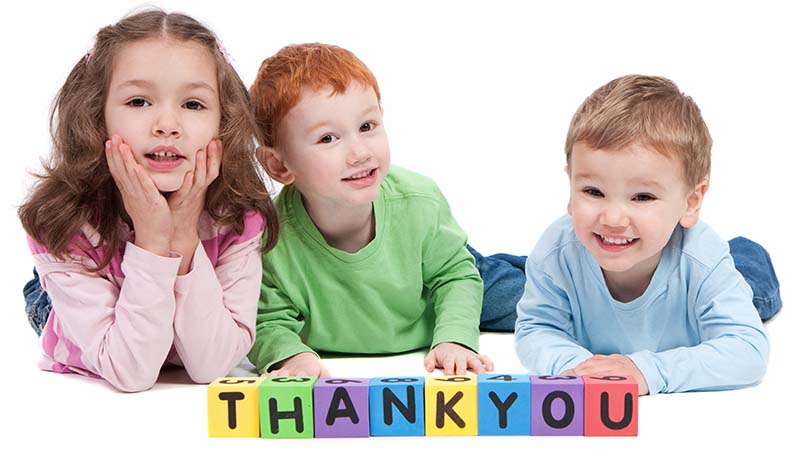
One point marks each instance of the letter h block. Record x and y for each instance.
(504, 404)
(397, 406)
(287, 407)
(557, 405)
(233, 407)
(612, 405)
(341, 408)
(451, 405)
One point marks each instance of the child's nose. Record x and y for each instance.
(166, 123)
(615, 216)
(359, 152)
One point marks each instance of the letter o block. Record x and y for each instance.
(504, 404)
(341, 408)
(612, 405)
(397, 406)
(233, 407)
(557, 405)
(451, 405)
(287, 407)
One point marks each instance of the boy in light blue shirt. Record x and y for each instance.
(631, 282)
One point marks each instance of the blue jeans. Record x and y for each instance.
(504, 281)
(37, 303)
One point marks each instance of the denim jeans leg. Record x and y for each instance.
(37, 303)
(503, 283)
(752, 260)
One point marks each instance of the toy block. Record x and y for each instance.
(286, 405)
(612, 405)
(341, 408)
(233, 407)
(451, 405)
(397, 406)
(504, 404)
(557, 405)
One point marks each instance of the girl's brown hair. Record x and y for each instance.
(77, 187)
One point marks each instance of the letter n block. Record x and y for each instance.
(397, 406)
(233, 407)
(341, 408)
(287, 407)
(451, 405)
(504, 404)
(557, 405)
(612, 405)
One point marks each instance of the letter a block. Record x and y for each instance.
(233, 407)
(612, 405)
(287, 407)
(504, 404)
(451, 405)
(396, 406)
(557, 405)
(341, 408)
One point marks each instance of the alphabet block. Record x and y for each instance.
(504, 404)
(451, 405)
(396, 406)
(557, 405)
(612, 405)
(341, 408)
(233, 407)
(286, 405)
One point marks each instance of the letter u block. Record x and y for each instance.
(612, 405)
(504, 404)
(341, 408)
(287, 407)
(557, 405)
(233, 407)
(451, 405)
(397, 406)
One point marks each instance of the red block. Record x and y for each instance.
(611, 405)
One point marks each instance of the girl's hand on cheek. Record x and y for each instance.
(149, 211)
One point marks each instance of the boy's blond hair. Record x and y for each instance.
(646, 110)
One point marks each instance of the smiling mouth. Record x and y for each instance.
(164, 156)
(361, 175)
(616, 240)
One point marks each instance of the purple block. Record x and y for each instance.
(556, 405)
(341, 408)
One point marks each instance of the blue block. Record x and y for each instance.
(504, 404)
(397, 406)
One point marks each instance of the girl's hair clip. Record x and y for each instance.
(223, 52)
(89, 54)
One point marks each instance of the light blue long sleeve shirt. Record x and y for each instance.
(694, 327)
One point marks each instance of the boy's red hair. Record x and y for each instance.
(283, 77)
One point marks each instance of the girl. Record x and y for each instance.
(145, 235)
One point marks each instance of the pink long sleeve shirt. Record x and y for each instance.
(124, 322)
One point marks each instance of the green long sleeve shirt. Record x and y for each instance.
(414, 285)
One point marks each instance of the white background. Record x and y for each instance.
(479, 98)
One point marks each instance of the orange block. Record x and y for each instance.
(611, 405)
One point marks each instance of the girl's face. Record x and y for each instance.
(163, 100)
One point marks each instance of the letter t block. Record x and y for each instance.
(233, 407)
(287, 407)
(341, 408)
(612, 405)
(451, 405)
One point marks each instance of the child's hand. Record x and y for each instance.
(189, 200)
(307, 364)
(144, 203)
(455, 359)
(611, 365)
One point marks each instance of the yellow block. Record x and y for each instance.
(451, 405)
(233, 407)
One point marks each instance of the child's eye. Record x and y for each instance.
(137, 102)
(194, 105)
(644, 197)
(366, 126)
(594, 192)
(327, 139)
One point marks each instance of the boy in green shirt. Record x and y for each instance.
(370, 258)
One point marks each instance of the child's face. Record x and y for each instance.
(626, 203)
(335, 146)
(163, 98)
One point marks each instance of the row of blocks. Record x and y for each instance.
(305, 407)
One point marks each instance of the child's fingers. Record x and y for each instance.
(214, 160)
(200, 170)
(487, 362)
(460, 367)
(430, 362)
(449, 365)
(183, 191)
(323, 372)
(475, 364)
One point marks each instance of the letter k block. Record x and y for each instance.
(451, 405)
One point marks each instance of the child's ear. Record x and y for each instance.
(569, 204)
(273, 163)
(693, 203)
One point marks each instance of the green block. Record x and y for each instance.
(286, 406)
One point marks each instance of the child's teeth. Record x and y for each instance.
(613, 240)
